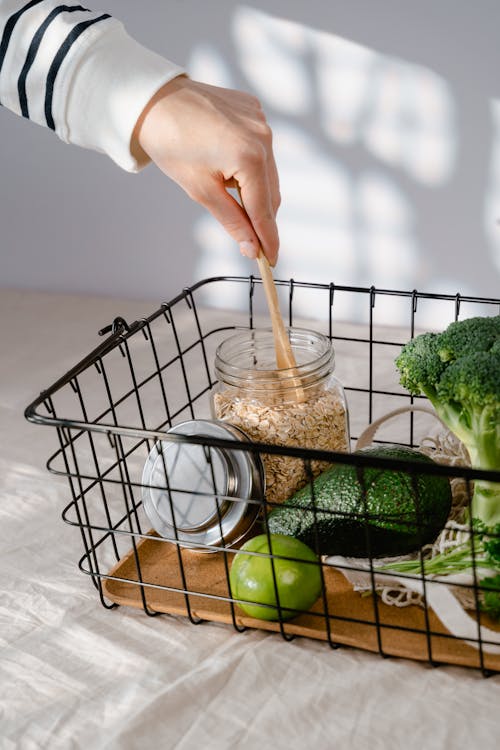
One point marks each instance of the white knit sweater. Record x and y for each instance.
(77, 72)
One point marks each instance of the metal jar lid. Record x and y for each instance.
(187, 489)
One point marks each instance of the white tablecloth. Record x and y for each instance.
(73, 675)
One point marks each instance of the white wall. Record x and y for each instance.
(387, 133)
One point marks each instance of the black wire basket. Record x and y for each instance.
(113, 407)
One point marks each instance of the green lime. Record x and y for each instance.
(252, 581)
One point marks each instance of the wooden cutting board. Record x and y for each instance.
(348, 619)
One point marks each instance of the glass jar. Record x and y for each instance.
(302, 407)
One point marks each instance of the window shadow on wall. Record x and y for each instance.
(374, 156)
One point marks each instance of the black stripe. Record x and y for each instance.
(58, 60)
(10, 26)
(33, 49)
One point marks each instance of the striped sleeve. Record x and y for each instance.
(77, 72)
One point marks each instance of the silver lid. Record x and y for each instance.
(201, 495)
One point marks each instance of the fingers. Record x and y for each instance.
(262, 217)
(266, 137)
(262, 135)
(260, 196)
(259, 188)
(228, 212)
(274, 184)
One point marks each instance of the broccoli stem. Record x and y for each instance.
(480, 435)
(486, 502)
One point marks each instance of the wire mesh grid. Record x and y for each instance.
(114, 406)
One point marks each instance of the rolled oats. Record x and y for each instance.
(318, 422)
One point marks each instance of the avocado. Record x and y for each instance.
(399, 513)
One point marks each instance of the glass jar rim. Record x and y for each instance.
(315, 349)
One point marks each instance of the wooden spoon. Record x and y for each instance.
(285, 357)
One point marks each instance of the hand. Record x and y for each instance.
(207, 139)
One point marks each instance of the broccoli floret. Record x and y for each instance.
(459, 372)
(420, 365)
(471, 335)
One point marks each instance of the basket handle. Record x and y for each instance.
(366, 437)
